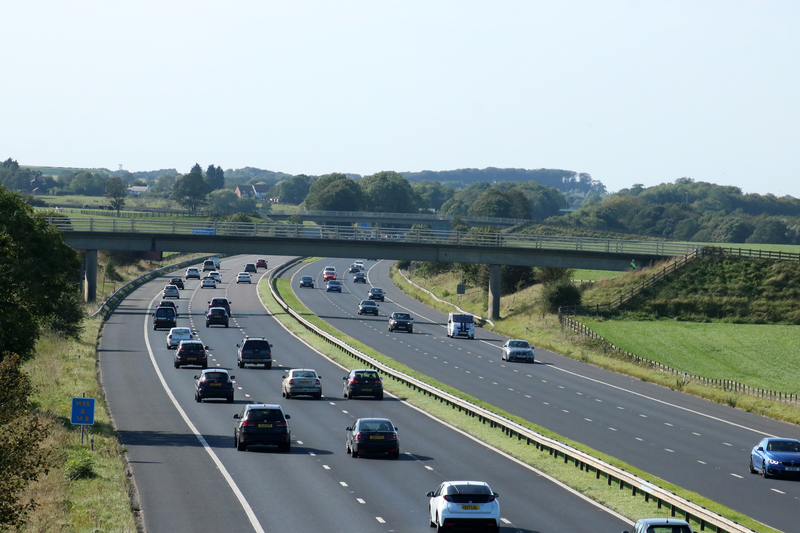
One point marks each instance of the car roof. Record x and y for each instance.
(181, 328)
(373, 420)
(516, 340)
(478, 483)
(263, 406)
(302, 369)
(663, 521)
(193, 341)
(219, 298)
(217, 309)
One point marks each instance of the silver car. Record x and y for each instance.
(302, 381)
(171, 291)
(518, 350)
(176, 335)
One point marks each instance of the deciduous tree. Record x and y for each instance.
(190, 191)
(116, 190)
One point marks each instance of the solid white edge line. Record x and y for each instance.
(450, 426)
(231, 483)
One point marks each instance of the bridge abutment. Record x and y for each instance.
(494, 292)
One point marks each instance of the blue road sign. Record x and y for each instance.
(204, 231)
(83, 411)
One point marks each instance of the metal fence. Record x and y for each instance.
(350, 233)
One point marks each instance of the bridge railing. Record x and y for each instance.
(350, 233)
(402, 216)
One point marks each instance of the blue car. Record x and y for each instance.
(333, 285)
(775, 457)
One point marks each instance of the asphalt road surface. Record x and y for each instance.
(191, 478)
(696, 444)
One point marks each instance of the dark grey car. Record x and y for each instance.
(264, 424)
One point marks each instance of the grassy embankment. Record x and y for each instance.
(749, 354)
(599, 490)
(98, 500)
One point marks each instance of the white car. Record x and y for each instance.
(360, 264)
(661, 525)
(216, 275)
(243, 277)
(208, 283)
(464, 504)
(171, 291)
(192, 272)
(176, 335)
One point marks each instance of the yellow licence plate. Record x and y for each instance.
(265, 425)
(367, 390)
(376, 437)
(216, 384)
(471, 507)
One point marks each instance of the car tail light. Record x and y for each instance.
(353, 381)
(281, 424)
(317, 382)
(394, 436)
(491, 499)
(291, 381)
(378, 381)
(251, 423)
(447, 498)
(169, 337)
(358, 436)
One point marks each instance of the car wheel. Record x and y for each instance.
(226, 324)
(390, 329)
(752, 470)
(206, 324)
(379, 397)
(285, 447)
(177, 365)
(268, 365)
(411, 330)
(240, 364)
(353, 454)
(439, 529)
(395, 455)
(288, 395)
(241, 446)
(197, 398)
(764, 473)
(319, 396)
(344, 393)
(230, 398)
(205, 365)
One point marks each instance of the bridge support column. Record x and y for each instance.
(90, 286)
(494, 292)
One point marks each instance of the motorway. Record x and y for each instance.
(696, 444)
(190, 477)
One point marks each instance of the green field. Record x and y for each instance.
(763, 356)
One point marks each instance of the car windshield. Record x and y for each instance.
(376, 291)
(783, 446)
(251, 347)
(466, 319)
(265, 415)
(330, 269)
(402, 316)
(333, 282)
(518, 344)
(306, 278)
(368, 303)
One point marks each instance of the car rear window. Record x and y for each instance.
(217, 312)
(367, 375)
(251, 347)
(181, 331)
(470, 493)
(668, 529)
(215, 376)
(192, 346)
(218, 302)
(265, 415)
(165, 312)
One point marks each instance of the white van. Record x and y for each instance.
(216, 262)
(208, 264)
(461, 325)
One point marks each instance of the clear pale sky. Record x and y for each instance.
(627, 91)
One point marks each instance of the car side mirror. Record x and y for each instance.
(197, 377)
(429, 495)
(209, 302)
(287, 417)
(319, 377)
(152, 314)
(233, 377)
(344, 377)
(283, 377)
(206, 347)
(760, 449)
(348, 429)
(238, 345)
(236, 415)
(496, 495)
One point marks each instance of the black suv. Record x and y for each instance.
(254, 351)
(218, 316)
(260, 423)
(401, 321)
(213, 383)
(178, 282)
(363, 382)
(191, 353)
(220, 302)
(165, 317)
(250, 267)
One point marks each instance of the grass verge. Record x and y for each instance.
(569, 473)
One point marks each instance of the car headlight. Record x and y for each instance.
(773, 462)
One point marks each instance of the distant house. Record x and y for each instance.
(259, 190)
(136, 190)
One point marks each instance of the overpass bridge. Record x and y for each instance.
(494, 249)
(437, 222)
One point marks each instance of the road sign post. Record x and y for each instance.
(82, 412)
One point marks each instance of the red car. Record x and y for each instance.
(261, 263)
(328, 274)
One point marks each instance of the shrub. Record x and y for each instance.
(80, 464)
(560, 294)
